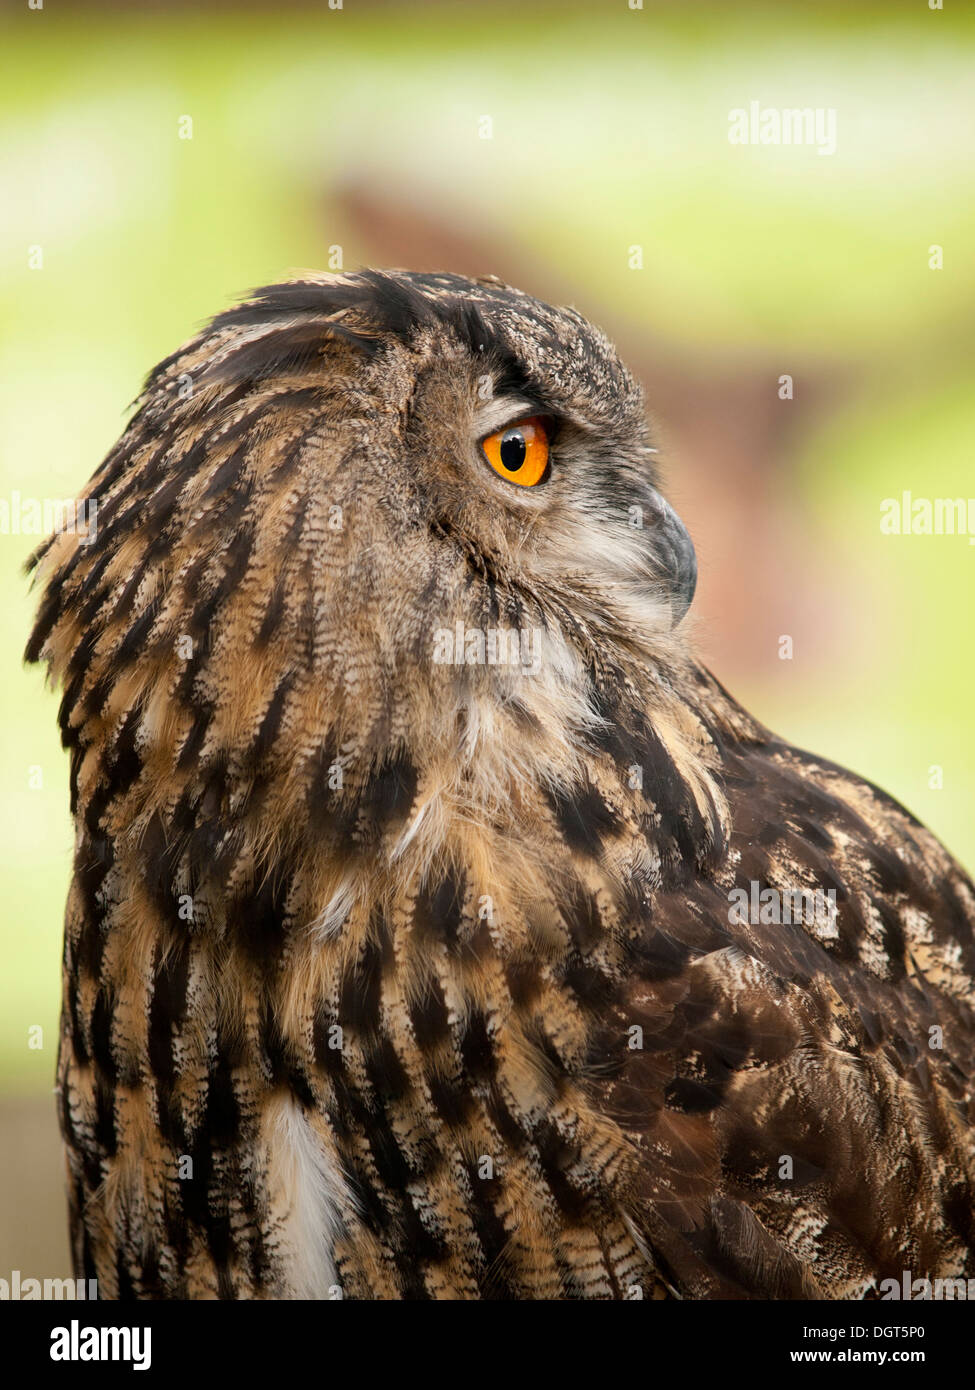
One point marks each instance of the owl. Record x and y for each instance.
(439, 927)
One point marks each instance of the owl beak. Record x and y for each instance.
(675, 556)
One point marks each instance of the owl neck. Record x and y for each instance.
(544, 813)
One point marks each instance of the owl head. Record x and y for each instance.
(365, 511)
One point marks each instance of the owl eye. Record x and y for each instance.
(520, 451)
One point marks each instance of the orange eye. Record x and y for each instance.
(520, 452)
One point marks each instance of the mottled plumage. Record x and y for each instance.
(395, 977)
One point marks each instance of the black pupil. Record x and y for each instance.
(513, 450)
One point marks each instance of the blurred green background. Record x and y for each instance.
(362, 129)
